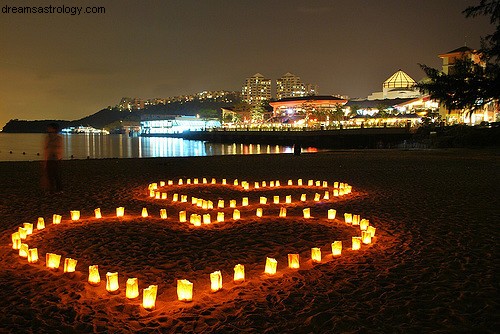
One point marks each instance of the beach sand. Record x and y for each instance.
(431, 267)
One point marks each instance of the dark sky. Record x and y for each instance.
(60, 66)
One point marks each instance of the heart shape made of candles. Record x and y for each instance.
(283, 203)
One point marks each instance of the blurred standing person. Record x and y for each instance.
(53, 146)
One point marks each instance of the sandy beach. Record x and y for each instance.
(431, 267)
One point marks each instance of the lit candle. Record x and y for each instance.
(235, 182)
(144, 212)
(258, 212)
(194, 200)
(307, 212)
(245, 185)
(184, 290)
(220, 203)
(132, 288)
(366, 237)
(271, 265)
(337, 248)
(40, 224)
(282, 212)
(180, 182)
(184, 198)
(335, 193)
(256, 185)
(348, 218)
(288, 199)
(52, 261)
(94, 277)
(23, 250)
(188, 181)
(332, 213)
(215, 281)
(163, 213)
(244, 201)
(97, 213)
(163, 195)
(162, 183)
(151, 193)
(239, 273)
(204, 205)
(290, 182)
(271, 184)
(318, 183)
(363, 224)
(56, 219)
(214, 181)
(170, 182)
(372, 230)
(303, 197)
(310, 183)
(29, 228)
(204, 180)
(32, 255)
(325, 184)
(182, 216)
(276, 199)
(355, 219)
(112, 285)
(149, 297)
(293, 261)
(263, 200)
(120, 211)
(195, 181)
(199, 202)
(210, 205)
(236, 214)
(299, 182)
(157, 195)
(232, 203)
(195, 219)
(316, 254)
(69, 265)
(224, 181)
(335, 184)
(220, 217)
(23, 233)
(277, 183)
(206, 218)
(16, 241)
(327, 195)
(317, 197)
(356, 243)
(264, 184)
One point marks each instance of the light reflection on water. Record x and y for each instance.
(93, 146)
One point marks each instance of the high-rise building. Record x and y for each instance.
(289, 85)
(256, 90)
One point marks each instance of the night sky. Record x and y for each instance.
(59, 66)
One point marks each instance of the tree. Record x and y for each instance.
(490, 43)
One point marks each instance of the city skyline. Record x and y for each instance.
(62, 66)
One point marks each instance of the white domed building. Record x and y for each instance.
(398, 86)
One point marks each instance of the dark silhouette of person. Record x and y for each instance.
(53, 146)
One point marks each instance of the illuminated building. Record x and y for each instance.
(158, 125)
(397, 86)
(256, 89)
(289, 85)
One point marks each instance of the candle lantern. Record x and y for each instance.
(282, 212)
(256, 185)
(232, 203)
(97, 213)
(372, 230)
(214, 181)
(355, 219)
(290, 182)
(244, 201)
(149, 297)
(264, 184)
(307, 212)
(325, 184)
(293, 261)
(29, 228)
(132, 288)
(299, 182)
(239, 273)
(356, 243)
(303, 197)
(23, 250)
(363, 224)
(69, 265)
(184, 290)
(40, 224)
(316, 254)
(170, 182)
(154, 186)
(16, 241)
(277, 183)
(271, 265)
(263, 200)
(157, 195)
(162, 183)
(163, 213)
(206, 218)
(94, 277)
(224, 181)
(199, 202)
(366, 237)
(341, 192)
(216, 281)
(236, 214)
(33, 255)
(335, 193)
(235, 182)
(144, 213)
(245, 185)
(175, 197)
(276, 199)
(318, 183)
(180, 182)
(120, 211)
(195, 181)
(194, 200)
(22, 233)
(336, 185)
(195, 219)
(56, 219)
(204, 180)
(184, 198)
(337, 248)
(348, 218)
(204, 205)
(327, 195)
(210, 205)
(52, 261)
(258, 212)
(271, 184)
(163, 195)
(317, 197)
(112, 285)
(220, 217)
(310, 183)
(332, 213)
(220, 203)
(341, 185)
(152, 193)
(188, 181)
(182, 216)
(288, 199)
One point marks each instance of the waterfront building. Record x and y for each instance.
(165, 125)
(289, 85)
(256, 89)
(399, 85)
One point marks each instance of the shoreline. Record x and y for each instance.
(432, 269)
